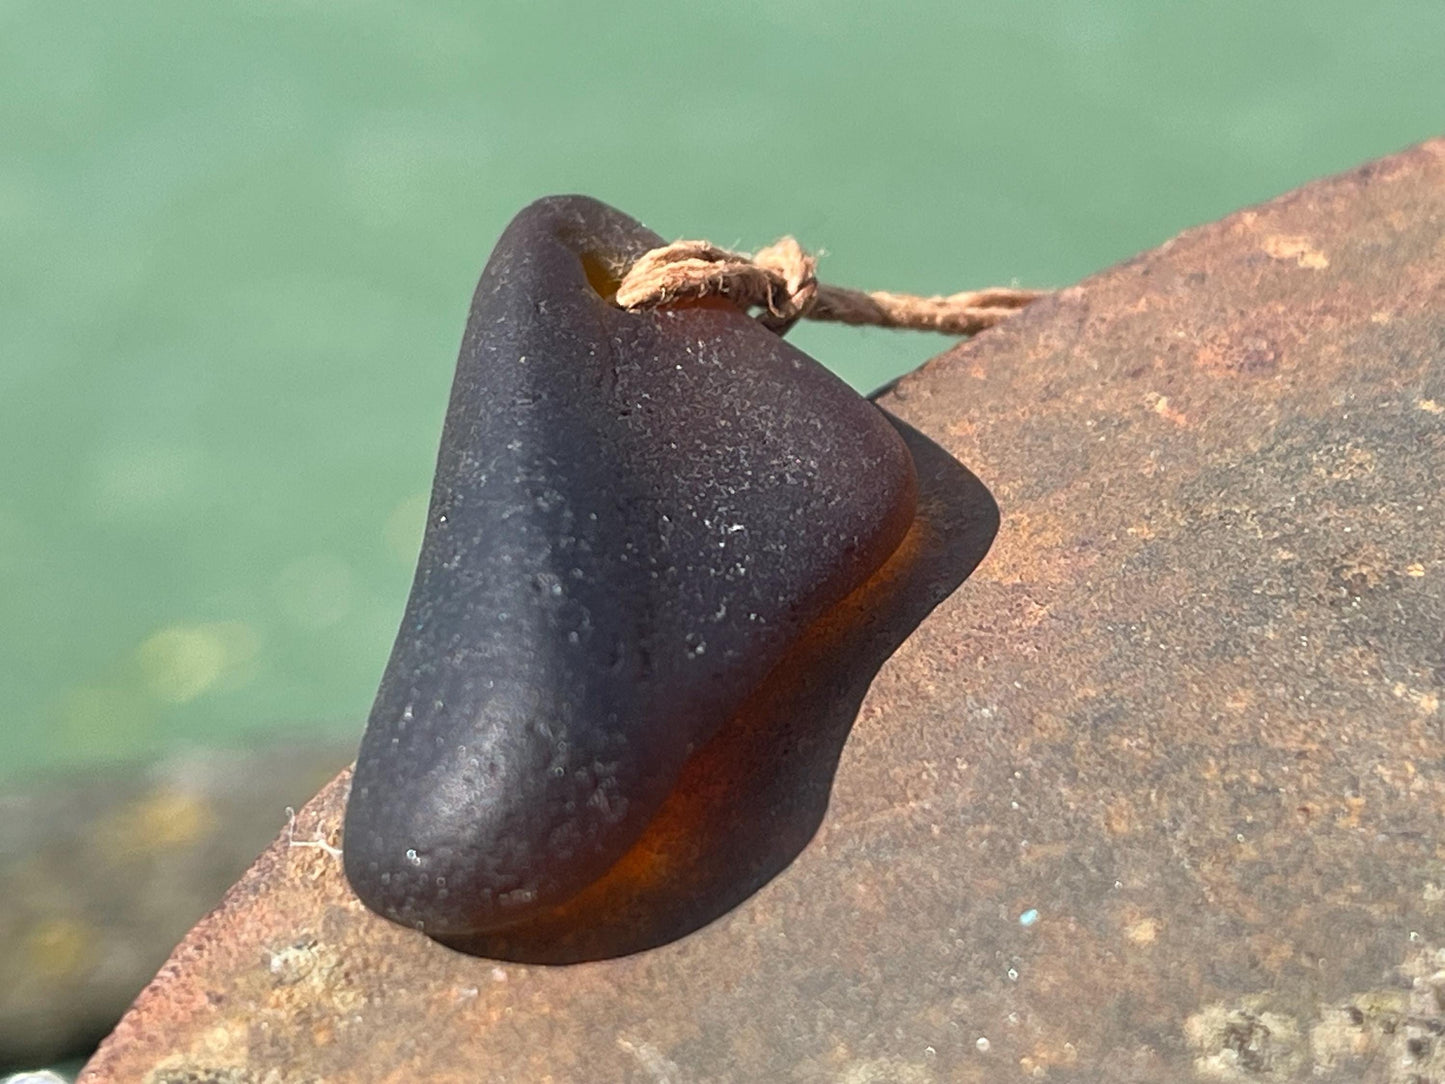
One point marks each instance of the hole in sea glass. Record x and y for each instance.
(600, 276)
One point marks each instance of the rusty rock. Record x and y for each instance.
(1155, 795)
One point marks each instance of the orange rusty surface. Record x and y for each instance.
(1156, 794)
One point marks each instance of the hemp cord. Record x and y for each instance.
(782, 280)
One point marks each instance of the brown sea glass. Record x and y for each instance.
(634, 516)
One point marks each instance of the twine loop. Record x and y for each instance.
(782, 281)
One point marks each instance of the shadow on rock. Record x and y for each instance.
(749, 801)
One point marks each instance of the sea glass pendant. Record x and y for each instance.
(634, 516)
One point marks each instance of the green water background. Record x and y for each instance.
(237, 243)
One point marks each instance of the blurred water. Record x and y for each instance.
(239, 240)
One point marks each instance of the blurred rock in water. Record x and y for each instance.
(102, 872)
